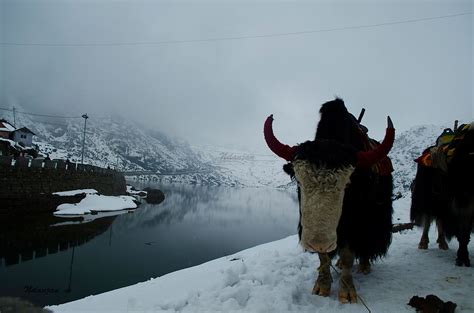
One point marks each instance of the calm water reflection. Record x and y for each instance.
(55, 264)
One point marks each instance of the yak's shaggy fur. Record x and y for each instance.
(338, 124)
(322, 153)
(366, 221)
(321, 203)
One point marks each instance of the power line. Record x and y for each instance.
(170, 42)
(36, 114)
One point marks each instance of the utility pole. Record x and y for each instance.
(14, 117)
(85, 117)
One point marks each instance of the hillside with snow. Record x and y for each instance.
(124, 145)
(113, 142)
(249, 169)
(146, 154)
(408, 146)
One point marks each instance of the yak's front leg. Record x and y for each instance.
(322, 287)
(347, 292)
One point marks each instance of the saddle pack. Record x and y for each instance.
(440, 155)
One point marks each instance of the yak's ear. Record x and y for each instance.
(288, 168)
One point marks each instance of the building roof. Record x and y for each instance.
(25, 130)
(10, 143)
(5, 126)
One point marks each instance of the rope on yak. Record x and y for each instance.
(347, 285)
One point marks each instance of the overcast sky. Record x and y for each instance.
(220, 92)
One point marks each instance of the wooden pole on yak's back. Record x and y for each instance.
(361, 115)
(455, 125)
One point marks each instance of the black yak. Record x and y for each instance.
(443, 190)
(345, 202)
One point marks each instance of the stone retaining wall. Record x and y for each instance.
(27, 179)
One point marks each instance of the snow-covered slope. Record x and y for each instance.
(125, 145)
(114, 142)
(408, 146)
(253, 170)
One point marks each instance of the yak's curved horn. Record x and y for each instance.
(283, 151)
(369, 158)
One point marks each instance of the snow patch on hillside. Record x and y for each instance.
(251, 170)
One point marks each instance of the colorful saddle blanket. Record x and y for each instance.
(441, 154)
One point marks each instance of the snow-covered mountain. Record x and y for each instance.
(131, 148)
(408, 146)
(249, 169)
(122, 144)
(115, 142)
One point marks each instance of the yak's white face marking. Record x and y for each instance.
(322, 195)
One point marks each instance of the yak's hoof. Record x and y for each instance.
(347, 295)
(364, 268)
(423, 245)
(321, 291)
(347, 291)
(442, 244)
(461, 262)
(322, 287)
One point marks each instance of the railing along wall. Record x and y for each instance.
(22, 178)
(22, 162)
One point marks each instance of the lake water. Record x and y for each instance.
(50, 261)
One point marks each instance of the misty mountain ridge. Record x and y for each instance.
(119, 143)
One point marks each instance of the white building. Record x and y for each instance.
(23, 136)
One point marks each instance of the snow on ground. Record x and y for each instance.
(279, 276)
(54, 153)
(98, 203)
(75, 192)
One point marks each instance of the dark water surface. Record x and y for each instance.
(50, 261)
